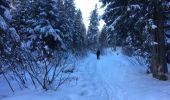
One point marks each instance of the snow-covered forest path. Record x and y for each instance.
(117, 77)
(112, 77)
(106, 74)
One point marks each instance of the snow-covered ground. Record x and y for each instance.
(113, 77)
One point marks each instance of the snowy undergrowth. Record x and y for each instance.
(113, 77)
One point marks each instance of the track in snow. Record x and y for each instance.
(119, 77)
(98, 69)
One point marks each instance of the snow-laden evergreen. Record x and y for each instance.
(45, 34)
(103, 38)
(38, 23)
(93, 30)
(136, 26)
(80, 31)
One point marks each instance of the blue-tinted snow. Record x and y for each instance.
(113, 77)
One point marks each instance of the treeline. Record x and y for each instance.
(141, 28)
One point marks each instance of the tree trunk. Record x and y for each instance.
(158, 64)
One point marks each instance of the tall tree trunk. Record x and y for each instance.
(159, 65)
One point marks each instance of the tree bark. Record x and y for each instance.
(158, 62)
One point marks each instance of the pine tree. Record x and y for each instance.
(80, 31)
(9, 39)
(103, 37)
(158, 62)
(67, 24)
(37, 24)
(93, 31)
(9, 42)
(47, 29)
(136, 23)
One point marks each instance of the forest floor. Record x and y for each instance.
(112, 77)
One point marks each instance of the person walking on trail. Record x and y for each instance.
(98, 54)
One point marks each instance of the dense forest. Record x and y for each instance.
(38, 37)
(141, 28)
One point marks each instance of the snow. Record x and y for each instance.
(112, 26)
(113, 77)
(136, 6)
(3, 24)
(154, 26)
(167, 40)
(154, 43)
(133, 7)
(128, 8)
(14, 34)
(48, 30)
(7, 15)
(43, 14)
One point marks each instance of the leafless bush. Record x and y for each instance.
(42, 71)
(47, 72)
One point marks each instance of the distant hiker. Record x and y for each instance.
(98, 54)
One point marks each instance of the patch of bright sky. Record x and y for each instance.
(86, 6)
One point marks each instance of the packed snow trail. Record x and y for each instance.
(103, 70)
(122, 78)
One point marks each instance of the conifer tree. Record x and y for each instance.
(103, 37)
(140, 26)
(80, 31)
(93, 30)
(9, 43)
